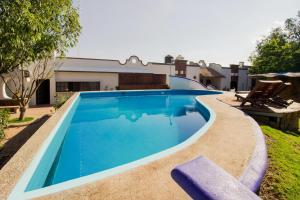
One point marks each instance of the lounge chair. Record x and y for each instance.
(264, 91)
(277, 100)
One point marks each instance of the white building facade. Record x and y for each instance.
(87, 74)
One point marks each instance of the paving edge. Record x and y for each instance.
(257, 166)
(256, 169)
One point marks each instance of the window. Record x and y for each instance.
(62, 87)
(77, 86)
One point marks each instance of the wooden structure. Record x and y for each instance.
(136, 81)
(13, 109)
(283, 119)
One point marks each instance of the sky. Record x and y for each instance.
(218, 31)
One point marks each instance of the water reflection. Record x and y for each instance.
(133, 108)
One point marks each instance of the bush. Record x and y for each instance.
(60, 101)
(4, 116)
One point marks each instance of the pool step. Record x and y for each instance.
(203, 179)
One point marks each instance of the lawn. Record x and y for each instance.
(282, 180)
(16, 120)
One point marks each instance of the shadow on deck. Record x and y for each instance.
(15, 143)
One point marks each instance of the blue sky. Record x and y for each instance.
(220, 31)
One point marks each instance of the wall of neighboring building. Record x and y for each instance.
(98, 70)
(107, 81)
(180, 67)
(193, 72)
(184, 83)
(133, 61)
(5, 92)
(244, 81)
(157, 68)
(226, 80)
(218, 83)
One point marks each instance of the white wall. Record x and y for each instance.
(244, 81)
(183, 83)
(192, 72)
(106, 79)
(133, 61)
(3, 91)
(162, 69)
(219, 83)
(225, 83)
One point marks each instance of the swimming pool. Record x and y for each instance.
(105, 133)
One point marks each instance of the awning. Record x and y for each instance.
(272, 75)
(124, 69)
(207, 72)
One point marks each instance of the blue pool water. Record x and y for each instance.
(105, 131)
(110, 131)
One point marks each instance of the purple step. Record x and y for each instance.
(203, 179)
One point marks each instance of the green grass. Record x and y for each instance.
(282, 180)
(16, 120)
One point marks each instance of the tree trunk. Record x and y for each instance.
(22, 112)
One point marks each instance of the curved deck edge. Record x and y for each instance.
(256, 169)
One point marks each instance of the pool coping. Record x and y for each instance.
(18, 191)
(22, 183)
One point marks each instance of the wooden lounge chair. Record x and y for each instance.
(277, 99)
(263, 91)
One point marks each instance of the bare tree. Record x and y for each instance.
(24, 81)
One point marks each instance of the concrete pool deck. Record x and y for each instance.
(229, 142)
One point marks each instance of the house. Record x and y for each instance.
(73, 74)
(235, 76)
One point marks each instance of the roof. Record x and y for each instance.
(101, 59)
(271, 75)
(82, 58)
(103, 69)
(208, 72)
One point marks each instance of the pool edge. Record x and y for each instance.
(21, 184)
(15, 193)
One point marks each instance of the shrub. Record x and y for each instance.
(60, 101)
(4, 116)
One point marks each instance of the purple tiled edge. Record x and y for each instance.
(200, 178)
(257, 166)
(203, 179)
